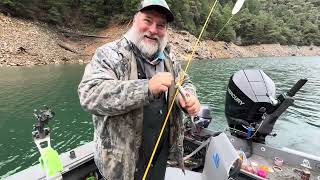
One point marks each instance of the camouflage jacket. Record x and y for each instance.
(112, 93)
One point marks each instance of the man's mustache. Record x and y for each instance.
(154, 37)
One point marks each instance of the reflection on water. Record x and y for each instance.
(23, 89)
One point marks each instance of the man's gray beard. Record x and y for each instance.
(150, 49)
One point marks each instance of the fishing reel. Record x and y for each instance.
(43, 117)
(204, 118)
(195, 125)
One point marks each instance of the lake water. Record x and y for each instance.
(22, 89)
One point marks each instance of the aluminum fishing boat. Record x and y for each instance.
(251, 110)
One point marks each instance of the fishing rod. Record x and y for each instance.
(236, 9)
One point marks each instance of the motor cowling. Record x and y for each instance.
(249, 95)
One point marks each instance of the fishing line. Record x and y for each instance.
(195, 46)
(235, 10)
(222, 28)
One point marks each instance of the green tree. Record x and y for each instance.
(93, 11)
(254, 6)
(259, 21)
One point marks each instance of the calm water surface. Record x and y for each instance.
(23, 89)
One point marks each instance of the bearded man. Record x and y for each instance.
(128, 88)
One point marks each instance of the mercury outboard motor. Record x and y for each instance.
(251, 106)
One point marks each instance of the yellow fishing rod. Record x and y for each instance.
(236, 8)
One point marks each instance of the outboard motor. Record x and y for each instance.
(251, 107)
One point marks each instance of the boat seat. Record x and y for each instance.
(220, 157)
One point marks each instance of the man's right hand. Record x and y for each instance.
(160, 82)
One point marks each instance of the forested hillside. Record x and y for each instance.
(288, 22)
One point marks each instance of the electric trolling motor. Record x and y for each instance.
(252, 107)
(49, 159)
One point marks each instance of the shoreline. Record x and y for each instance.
(27, 43)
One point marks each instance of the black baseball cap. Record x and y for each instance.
(159, 5)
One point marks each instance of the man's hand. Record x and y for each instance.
(190, 103)
(160, 82)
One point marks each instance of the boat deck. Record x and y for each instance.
(295, 163)
(279, 172)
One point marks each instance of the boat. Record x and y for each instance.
(251, 110)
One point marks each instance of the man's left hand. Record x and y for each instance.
(190, 103)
